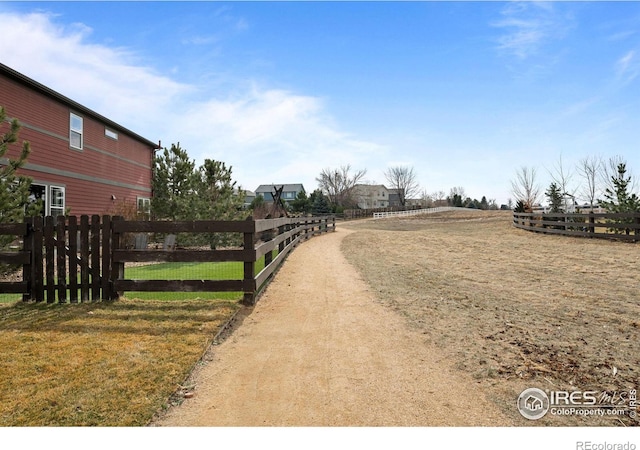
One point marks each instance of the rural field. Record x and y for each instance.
(512, 308)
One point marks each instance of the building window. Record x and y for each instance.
(110, 134)
(38, 192)
(144, 208)
(75, 131)
(52, 197)
(56, 207)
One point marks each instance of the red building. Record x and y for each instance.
(80, 161)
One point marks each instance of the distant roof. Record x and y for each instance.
(17, 76)
(364, 185)
(287, 187)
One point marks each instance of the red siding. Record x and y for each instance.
(104, 167)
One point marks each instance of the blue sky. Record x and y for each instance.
(463, 92)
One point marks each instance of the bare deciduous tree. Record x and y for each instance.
(427, 199)
(525, 187)
(403, 179)
(590, 169)
(439, 198)
(562, 176)
(338, 184)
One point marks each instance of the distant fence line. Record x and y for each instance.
(361, 213)
(624, 226)
(415, 212)
(64, 259)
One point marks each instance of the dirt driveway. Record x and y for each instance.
(319, 350)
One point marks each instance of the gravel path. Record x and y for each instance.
(318, 350)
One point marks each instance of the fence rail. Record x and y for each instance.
(415, 212)
(63, 260)
(624, 226)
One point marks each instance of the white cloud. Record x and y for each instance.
(267, 135)
(528, 26)
(627, 67)
(105, 79)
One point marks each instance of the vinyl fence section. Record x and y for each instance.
(415, 212)
(623, 226)
(64, 259)
(352, 214)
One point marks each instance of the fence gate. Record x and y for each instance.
(68, 259)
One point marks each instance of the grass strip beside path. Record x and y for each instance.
(100, 364)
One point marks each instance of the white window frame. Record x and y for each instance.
(110, 134)
(75, 130)
(56, 210)
(48, 197)
(145, 210)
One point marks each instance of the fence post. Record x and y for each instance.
(95, 257)
(61, 261)
(106, 258)
(592, 223)
(49, 257)
(37, 260)
(249, 267)
(117, 268)
(73, 258)
(27, 268)
(84, 258)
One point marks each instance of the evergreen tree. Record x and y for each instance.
(15, 203)
(484, 204)
(455, 200)
(320, 204)
(555, 198)
(175, 185)
(520, 207)
(221, 199)
(618, 199)
(301, 204)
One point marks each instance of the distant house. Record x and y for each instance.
(80, 161)
(394, 198)
(249, 197)
(369, 196)
(289, 191)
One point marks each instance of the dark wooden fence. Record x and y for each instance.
(63, 260)
(624, 226)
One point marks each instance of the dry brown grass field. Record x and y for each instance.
(100, 364)
(513, 308)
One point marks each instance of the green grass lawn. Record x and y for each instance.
(179, 271)
(186, 271)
